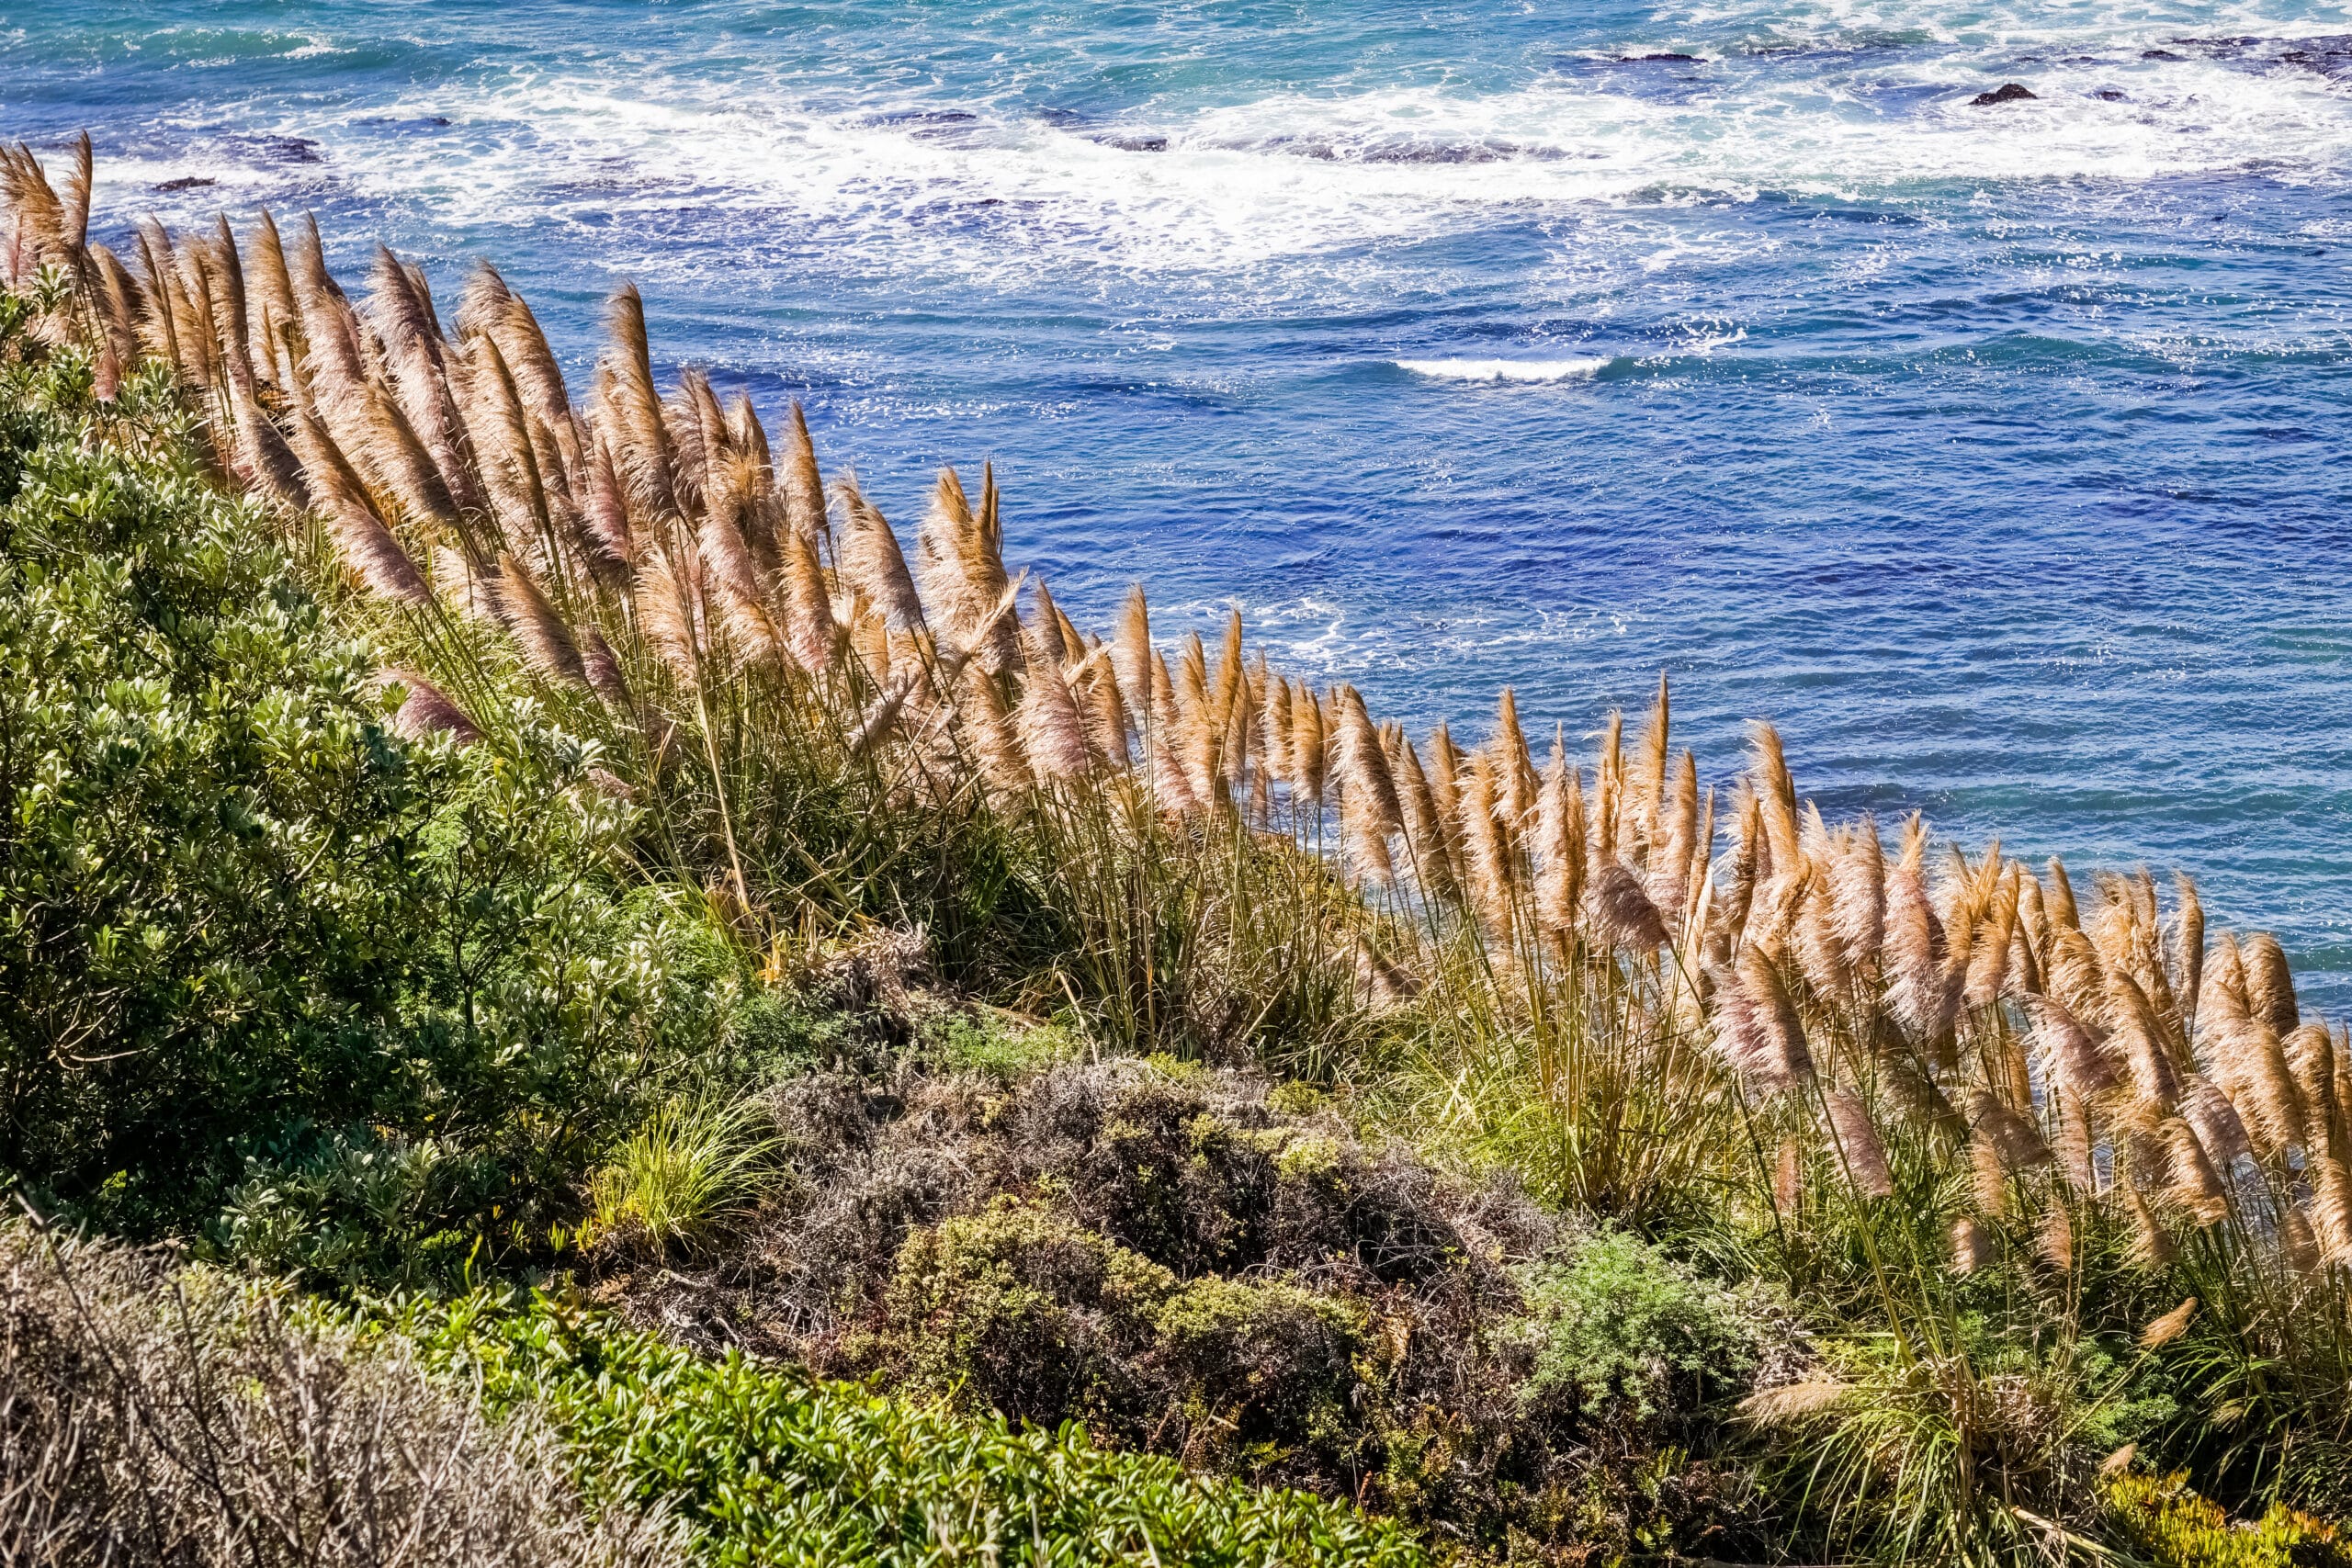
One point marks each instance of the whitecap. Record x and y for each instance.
(1506, 369)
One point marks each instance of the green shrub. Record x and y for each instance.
(1019, 1310)
(961, 1042)
(766, 1466)
(1623, 1333)
(334, 999)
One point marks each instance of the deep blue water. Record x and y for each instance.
(1998, 453)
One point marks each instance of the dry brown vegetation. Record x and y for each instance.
(153, 1417)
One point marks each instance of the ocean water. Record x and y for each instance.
(1998, 453)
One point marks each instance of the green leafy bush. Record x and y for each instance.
(1621, 1332)
(339, 1000)
(766, 1466)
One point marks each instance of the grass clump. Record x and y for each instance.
(672, 1184)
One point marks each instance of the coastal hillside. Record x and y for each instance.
(549, 939)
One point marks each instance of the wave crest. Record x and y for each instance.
(1506, 369)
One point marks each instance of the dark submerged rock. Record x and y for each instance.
(2008, 93)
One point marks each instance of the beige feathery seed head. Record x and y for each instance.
(1781, 1032)
(1988, 963)
(668, 601)
(1621, 916)
(1048, 621)
(1671, 877)
(2136, 1035)
(537, 630)
(2188, 950)
(2331, 1207)
(1225, 692)
(1424, 823)
(815, 635)
(1279, 762)
(1490, 856)
(1916, 992)
(1988, 1182)
(2119, 1462)
(1446, 766)
(1050, 729)
(1788, 1178)
(742, 596)
(1608, 785)
(1859, 1147)
(1515, 781)
(2215, 1118)
(1559, 846)
(1793, 1401)
(871, 563)
(1649, 775)
(2224, 996)
(2076, 976)
(2270, 989)
(1200, 736)
(797, 479)
(2254, 1065)
(605, 514)
(2060, 897)
(963, 572)
(881, 715)
(2310, 1055)
(746, 434)
(603, 670)
(2015, 1140)
(1105, 710)
(1369, 810)
(2053, 1239)
(2191, 1176)
(1857, 893)
(2070, 1051)
(2071, 1141)
(367, 544)
(427, 711)
(1131, 655)
(1776, 796)
(2151, 1247)
(1971, 1247)
(2298, 1242)
(1310, 746)
(2169, 1327)
(980, 709)
(1804, 923)
(1170, 785)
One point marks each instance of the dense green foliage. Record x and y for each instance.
(765, 1466)
(333, 998)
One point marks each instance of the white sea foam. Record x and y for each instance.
(1326, 179)
(1506, 369)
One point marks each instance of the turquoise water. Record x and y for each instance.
(1997, 453)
